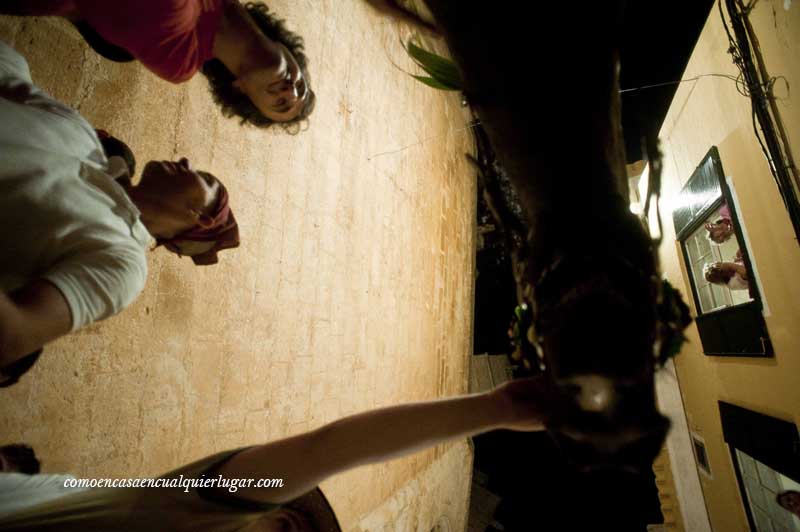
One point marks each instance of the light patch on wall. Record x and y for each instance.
(637, 208)
(641, 191)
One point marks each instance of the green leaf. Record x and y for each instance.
(674, 347)
(674, 317)
(436, 84)
(441, 69)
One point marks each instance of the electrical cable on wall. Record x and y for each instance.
(773, 140)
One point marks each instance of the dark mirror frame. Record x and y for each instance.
(739, 330)
(772, 441)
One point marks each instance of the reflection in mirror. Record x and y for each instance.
(763, 485)
(715, 260)
(720, 229)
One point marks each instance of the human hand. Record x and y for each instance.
(524, 403)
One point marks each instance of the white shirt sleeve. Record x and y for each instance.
(13, 65)
(737, 282)
(42, 121)
(19, 491)
(99, 284)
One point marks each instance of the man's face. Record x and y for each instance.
(279, 91)
(181, 195)
(791, 501)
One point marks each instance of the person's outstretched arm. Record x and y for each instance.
(29, 318)
(305, 460)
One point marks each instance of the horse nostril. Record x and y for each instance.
(594, 393)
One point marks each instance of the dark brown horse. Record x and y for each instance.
(542, 79)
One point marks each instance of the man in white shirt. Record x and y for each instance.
(72, 239)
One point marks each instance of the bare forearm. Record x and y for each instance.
(9, 325)
(306, 460)
(392, 432)
(29, 318)
(238, 40)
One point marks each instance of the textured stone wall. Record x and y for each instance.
(439, 495)
(352, 288)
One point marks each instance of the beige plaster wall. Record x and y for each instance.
(436, 495)
(711, 112)
(352, 289)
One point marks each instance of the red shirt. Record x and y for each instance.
(172, 38)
